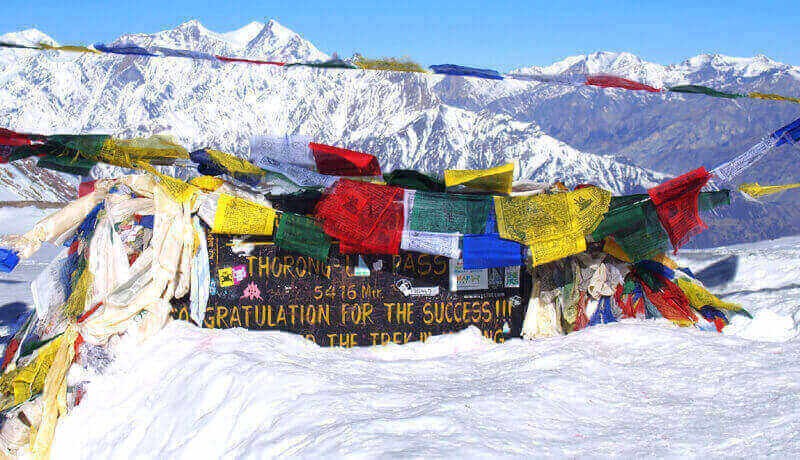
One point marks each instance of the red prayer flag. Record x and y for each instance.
(14, 139)
(610, 81)
(364, 217)
(676, 205)
(336, 161)
(670, 301)
(248, 61)
(85, 188)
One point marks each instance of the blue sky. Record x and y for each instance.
(497, 34)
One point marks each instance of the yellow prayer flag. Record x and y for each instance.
(233, 163)
(553, 225)
(70, 48)
(613, 248)
(126, 152)
(699, 296)
(29, 381)
(54, 395)
(773, 97)
(178, 190)
(497, 179)
(237, 216)
(207, 183)
(556, 249)
(755, 190)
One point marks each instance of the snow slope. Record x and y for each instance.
(636, 388)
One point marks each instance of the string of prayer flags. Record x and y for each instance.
(677, 207)
(755, 190)
(462, 71)
(302, 235)
(406, 65)
(360, 213)
(127, 49)
(727, 171)
(336, 161)
(410, 179)
(611, 81)
(554, 226)
(237, 216)
(491, 251)
(697, 89)
(449, 213)
(497, 179)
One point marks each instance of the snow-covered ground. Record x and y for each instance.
(636, 388)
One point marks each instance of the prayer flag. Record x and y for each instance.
(697, 89)
(248, 61)
(490, 251)
(237, 216)
(755, 190)
(363, 214)
(127, 49)
(70, 48)
(773, 97)
(676, 203)
(458, 70)
(336, 161)
(610, 81)
(699, 297)
(410, 179)
(670, 301)
(302, 235)
(497, 179)
(14, 139)
(448, 213)
(552, 225)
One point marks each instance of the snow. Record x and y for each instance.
(633, 388)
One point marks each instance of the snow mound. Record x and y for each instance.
(629, 389)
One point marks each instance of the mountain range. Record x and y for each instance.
(624, 141)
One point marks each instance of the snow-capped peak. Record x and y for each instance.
(244, 35)
(256, 40)
(27, 37)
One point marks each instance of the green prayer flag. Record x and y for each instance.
(697, 89)
(408, 178)
(87, 146)
(77, 166)
(633, 222)
(449, 213)
(303, 235)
